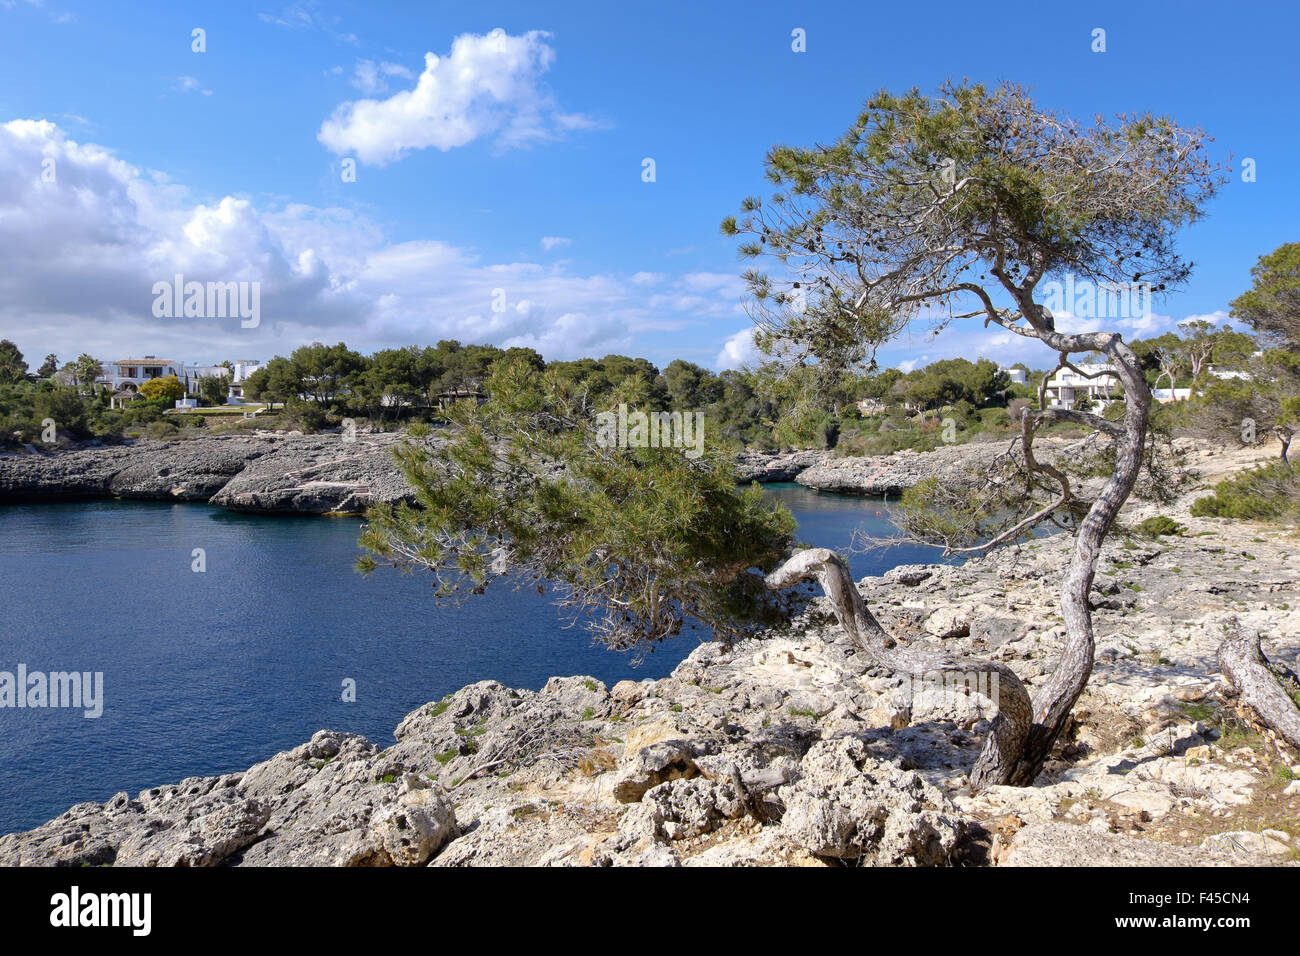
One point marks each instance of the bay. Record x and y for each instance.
(207, 673)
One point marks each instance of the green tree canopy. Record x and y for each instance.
(645, 540)
(214, 389)
(12, 366)
(1271, 306)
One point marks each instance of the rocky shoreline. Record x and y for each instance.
(329, 473)
(308, 474)
(888, 476)
(791, 750)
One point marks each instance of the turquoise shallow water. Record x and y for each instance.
(209, 673)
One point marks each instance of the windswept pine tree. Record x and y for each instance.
(959, 205)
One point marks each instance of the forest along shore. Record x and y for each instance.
(330, 473)
(791, 750)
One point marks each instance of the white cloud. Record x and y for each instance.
(724, 282)
(554, 242)
(1217, 317)
(371, 77)
(188, 84)
(305, 15)
(296, 16)
(739, 350)
(488, 86)
(82, 254)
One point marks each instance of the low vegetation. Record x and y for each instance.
(1270, 492)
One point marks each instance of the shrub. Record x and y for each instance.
(168, 387)
(1158, 525)
(1266, 493)
(995, 417)
(307, 417)
(160, 429)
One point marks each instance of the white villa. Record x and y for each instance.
(1067, 386)
(871, 406)
(127, 375)
(130, 373)
(1017, 376)
(195, 372)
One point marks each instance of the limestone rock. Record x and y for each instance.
(849, 805)
(947, 622)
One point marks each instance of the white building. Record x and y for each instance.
(871, 406)
(127, 375)
(243, 369)
(1224, 373)
(130, 373)
(1018, 376)
(195, 372)
(1067, 387)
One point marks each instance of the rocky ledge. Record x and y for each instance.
(891, 475)
(767, 467)
(313, 474)
(264, 472)
(791, 750)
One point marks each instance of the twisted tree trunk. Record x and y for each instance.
(1014, 710)
(1023, 731)
(1054, 700)
(1255, 683)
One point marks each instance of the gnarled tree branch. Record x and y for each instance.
(1011, 724)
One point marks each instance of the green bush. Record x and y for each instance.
(1270, 492)
(995, 417)
(306, 417)
(161, 429)
(1158, 525)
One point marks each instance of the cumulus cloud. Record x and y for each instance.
(86, 242)
(739, 350)
(555, 242)
(84, 250)
(487, 86)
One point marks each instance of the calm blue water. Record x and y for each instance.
(209, 673)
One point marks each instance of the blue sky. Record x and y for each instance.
(520, 167)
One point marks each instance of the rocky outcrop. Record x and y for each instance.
(891, 475)
(337, 473)
(792, 750)
(328, 473)
(313, 474)
(770, 467)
